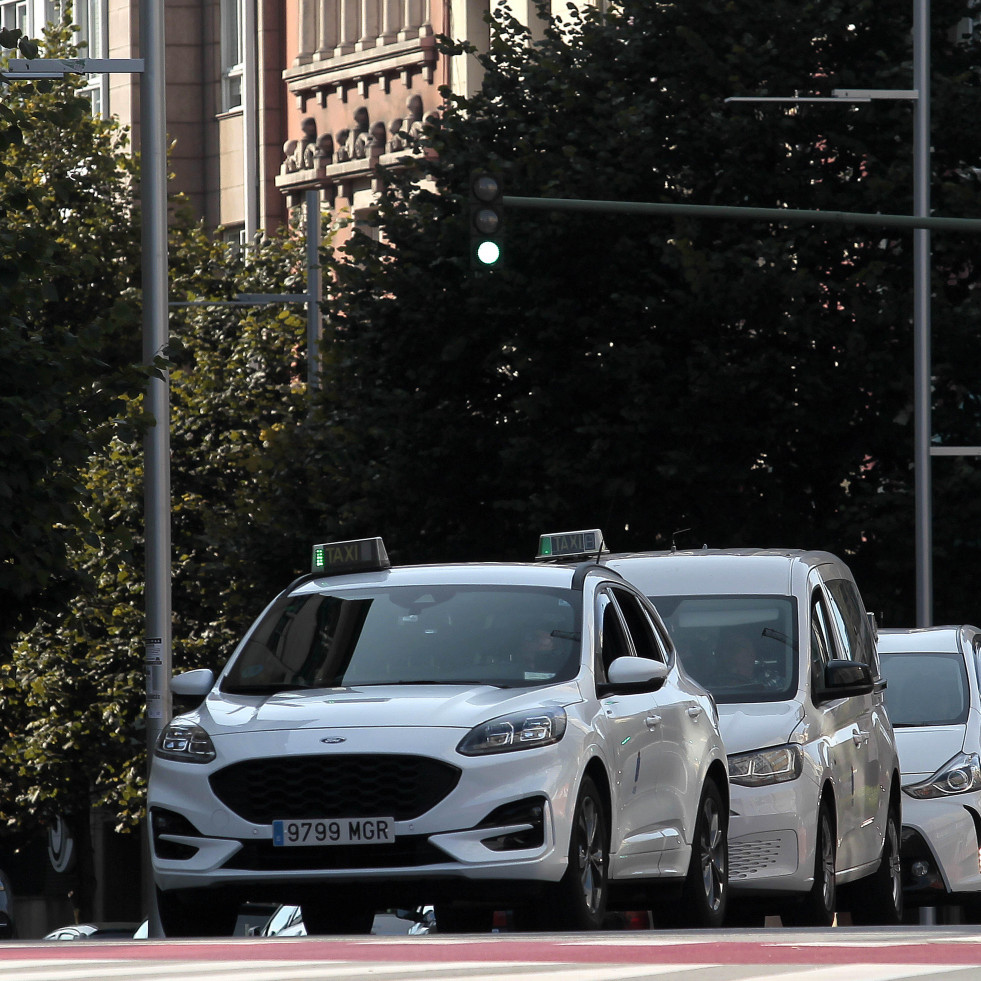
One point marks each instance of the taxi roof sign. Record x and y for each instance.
(571, 544)
(357, 555)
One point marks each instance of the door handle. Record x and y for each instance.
(694, 711)
(653, 721)
(860, 737)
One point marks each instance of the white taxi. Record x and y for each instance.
(782, 640)
(475, 736)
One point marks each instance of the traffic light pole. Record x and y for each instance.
(782, 216)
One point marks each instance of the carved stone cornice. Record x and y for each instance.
(360, 68)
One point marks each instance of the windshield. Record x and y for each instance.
(741, 648)
(925, 689)
(450, 635)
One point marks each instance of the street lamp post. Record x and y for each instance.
(922, 394)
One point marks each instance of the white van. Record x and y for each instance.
(782, 640)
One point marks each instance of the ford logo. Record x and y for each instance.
(333, 740)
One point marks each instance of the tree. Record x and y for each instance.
(76, 686)
(743, 382)
(67, 204)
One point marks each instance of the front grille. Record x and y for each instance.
(753, 857)
(334, 786)
(409, 851)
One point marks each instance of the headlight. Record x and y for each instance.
(957, 776)
(520, 730)
(185, 742)
(766, 766)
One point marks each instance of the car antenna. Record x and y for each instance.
(674, 536)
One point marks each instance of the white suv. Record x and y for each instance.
(783, 642)
(476, 736)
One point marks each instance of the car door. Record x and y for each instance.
(876, 743)
(838, 721)
(631, 724)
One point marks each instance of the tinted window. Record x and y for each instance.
(639, 624)
(613, 642)
(853, 623)
(502, 636)
(742, 648)
(925, 689)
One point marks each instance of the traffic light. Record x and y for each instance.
(486, 219)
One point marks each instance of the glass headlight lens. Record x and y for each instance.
(520, 730)
(185, 742)
(960, 775)
(767, 766)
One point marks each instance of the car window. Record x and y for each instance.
(612, 641)
(925, 688)
(741, 648)
(498, 635)
(822, 641)
(639, 624)
(853, 623)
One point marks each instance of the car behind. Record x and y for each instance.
(934, 701)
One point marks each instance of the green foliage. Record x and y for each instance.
(749, 382)
(68, 327)
(78, 685)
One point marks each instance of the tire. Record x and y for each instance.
(878, 898)
(704, 896)
(819, 905)
(463, 919)
(339, 917)
(195, 915)
(578, 899)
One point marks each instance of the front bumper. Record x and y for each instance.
(941, 851)
(771, 838)
(202, 842)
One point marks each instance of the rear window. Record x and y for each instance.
(924, 689)
(741, 648)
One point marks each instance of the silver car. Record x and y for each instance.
(782, 640)
(934, 702)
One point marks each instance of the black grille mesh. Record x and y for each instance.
(333, 785)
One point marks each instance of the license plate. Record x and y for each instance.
(333, 831)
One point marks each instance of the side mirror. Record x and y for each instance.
(634, 674)
(843, 678)
(190, 688)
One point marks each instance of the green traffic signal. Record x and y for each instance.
(486, 216)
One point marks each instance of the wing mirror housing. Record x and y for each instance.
(634, 674)
(843, 678)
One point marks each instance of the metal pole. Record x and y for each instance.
(153, 196)
(922, 395)
(250, 120)
(314, 286)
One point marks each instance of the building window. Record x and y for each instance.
(231, 54)
(91, 16)
(13, 16)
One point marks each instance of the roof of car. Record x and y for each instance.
(462, 573)
(948, 637)
(718, 570)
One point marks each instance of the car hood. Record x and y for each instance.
(755, 725)
(448, 706)
(924, 749)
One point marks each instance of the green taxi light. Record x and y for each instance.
(571, 544)
(357, 555)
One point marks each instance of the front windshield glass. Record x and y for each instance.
(924, 689)
(741, 648)
(449, 635)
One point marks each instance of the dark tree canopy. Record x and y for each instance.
(750, 382)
